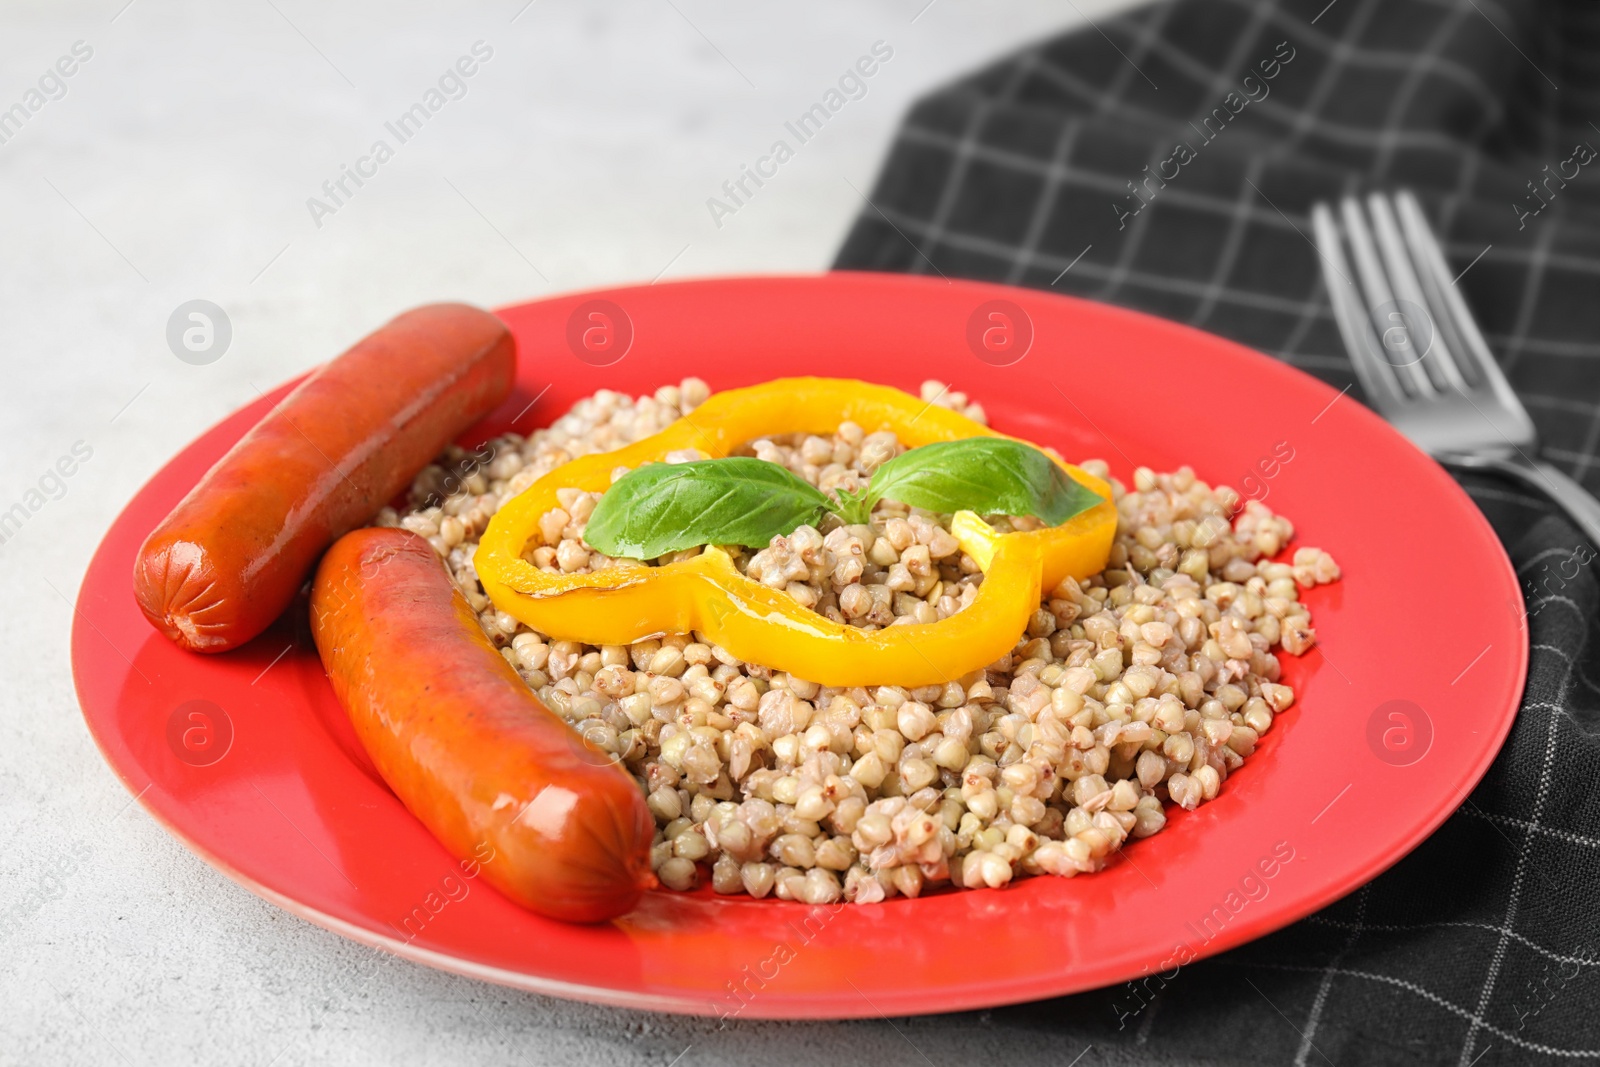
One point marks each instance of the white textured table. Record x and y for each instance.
(174, 163)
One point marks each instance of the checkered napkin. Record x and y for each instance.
(1167, 160)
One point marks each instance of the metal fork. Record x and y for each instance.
(1418, 353)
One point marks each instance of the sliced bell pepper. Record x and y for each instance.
(707, 593)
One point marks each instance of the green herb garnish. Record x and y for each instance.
(667, 507)
(988, 475)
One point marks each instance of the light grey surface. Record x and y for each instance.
(177, 166)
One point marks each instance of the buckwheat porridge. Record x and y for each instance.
(1143, 686)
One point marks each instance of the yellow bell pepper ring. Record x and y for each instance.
(629, 602)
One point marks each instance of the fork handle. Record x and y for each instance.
(1573, 498)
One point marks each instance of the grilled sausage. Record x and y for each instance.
(234, 552)
(464, 743)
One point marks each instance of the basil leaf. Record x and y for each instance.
(854, 506)
(667, 507)
(988, 475)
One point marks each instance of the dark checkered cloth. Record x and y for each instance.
(1483, 946)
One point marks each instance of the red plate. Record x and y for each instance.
(249, 761)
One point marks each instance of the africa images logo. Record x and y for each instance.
(52, 85)
(452, 85)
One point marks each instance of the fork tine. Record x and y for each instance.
(1446, 298)
(1437, 356)
(1375, 283)
(1355, 325)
